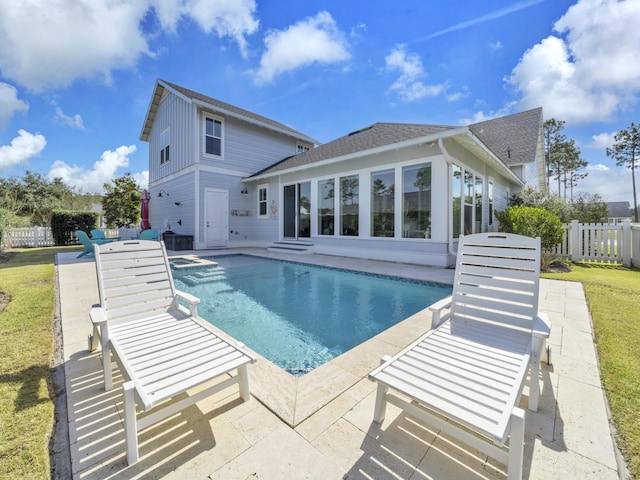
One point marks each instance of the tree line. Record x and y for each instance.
(565, 165)
(31, 200)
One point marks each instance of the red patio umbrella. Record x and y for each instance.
(144, 210)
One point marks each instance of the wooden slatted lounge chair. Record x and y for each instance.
(162, 348)
(469, 370)
(87, 243)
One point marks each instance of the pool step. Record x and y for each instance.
(293, 247)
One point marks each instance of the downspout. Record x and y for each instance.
(447, 158)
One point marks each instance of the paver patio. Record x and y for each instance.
(320, 426)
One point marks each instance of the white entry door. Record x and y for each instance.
(216, 218)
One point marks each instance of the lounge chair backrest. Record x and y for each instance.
(83, 238)
(97, 234)
(150, 234)
(496, 280)
(134, 279)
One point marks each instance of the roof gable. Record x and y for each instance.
(512, 138)
(215, 105)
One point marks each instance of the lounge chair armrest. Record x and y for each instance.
(192, 300)
(98, 316)
(542, 327)
(436, 311)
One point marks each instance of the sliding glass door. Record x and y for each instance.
(297, 211)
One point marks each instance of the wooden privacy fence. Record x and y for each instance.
(601, 242)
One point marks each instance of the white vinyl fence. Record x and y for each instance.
(42, 236)
(29, 237)
(601, 242)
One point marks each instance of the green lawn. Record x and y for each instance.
(613, 294)
(26, 345)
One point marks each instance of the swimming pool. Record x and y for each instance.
(297, 315)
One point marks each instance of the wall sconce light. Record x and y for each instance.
(244, 191)
(180, 222)
(163, 194)
(177, 204)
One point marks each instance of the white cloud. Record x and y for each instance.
(22, 148)
(480, 116)
(48, 44)
(602, 140)
(233, 18)
(312, 40)
(74, 121)
(9, 104)
(613, 185)
(92, 181)
(589, 71)
(408, 86)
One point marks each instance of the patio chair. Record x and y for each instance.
(162, 348)
(149, 234)
(97, 234)
(87, 243)
(466, 375)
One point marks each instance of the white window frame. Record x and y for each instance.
(264, 187)
(208, 116)
(302, 148)
(165, 144)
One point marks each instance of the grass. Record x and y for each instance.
(26, 346)
(613, 294)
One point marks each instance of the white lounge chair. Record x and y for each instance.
(162, 348)
(469, 370)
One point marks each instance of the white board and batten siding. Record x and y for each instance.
(177, 114)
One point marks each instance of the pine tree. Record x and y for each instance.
(626, 152)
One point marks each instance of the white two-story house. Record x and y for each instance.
(390, 191)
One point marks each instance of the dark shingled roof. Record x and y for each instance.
(513, 138)
(619, 209)
(374, 136)
(238, 111)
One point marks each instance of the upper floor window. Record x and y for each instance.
(262, 200)
(301, 148)
(165, 140)
(213, 137)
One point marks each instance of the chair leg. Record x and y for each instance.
(534, 384)
(130, 424)
(244, 383)
(516, 445)
(381, 403)
(106, 358)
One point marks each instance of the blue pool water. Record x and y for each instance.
(296, 315)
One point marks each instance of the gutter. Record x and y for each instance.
(361, 153)
(447, 158)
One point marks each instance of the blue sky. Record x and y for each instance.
(76, 76)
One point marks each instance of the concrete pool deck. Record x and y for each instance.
(320, 426)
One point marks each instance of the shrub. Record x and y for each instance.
(64, 223)
(532, 222)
